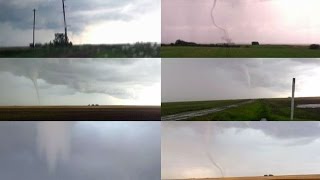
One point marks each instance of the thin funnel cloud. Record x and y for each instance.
(80, 81)
(206, 79)
(208, 150)
(278, 148)
(225, 32)
(34, 78)
(241, 22)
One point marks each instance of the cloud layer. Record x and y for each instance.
(209, 79)
(123, 79)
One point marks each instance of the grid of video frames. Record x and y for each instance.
(159, 89)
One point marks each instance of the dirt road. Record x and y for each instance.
(188, 115)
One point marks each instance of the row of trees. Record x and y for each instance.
(59, 41)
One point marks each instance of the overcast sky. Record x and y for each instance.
(90, 21)
(80, 81)
(239, 149)
(266, 21)
(80, 150)
(218, 79)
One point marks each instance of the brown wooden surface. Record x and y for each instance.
(292, 177)
(80, 113)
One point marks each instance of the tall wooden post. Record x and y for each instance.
(34, 26)
(65, 23)
(292, 98)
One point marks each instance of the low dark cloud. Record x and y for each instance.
(18, 13)
(278, 130)
(115, 77)
(85, 19)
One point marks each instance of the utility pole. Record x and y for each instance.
(34, 26)
(65, 23)
(292, 98)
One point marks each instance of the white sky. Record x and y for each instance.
(215, 79)
(266, 21)
(240, 149)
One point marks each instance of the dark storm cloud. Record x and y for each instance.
(114, 150)
(80, 13)
(108, 76)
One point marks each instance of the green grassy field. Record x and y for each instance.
(179, 107)
(263, 51)
(271, 109)
(138, 50)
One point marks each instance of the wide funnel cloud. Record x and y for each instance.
(53, 140)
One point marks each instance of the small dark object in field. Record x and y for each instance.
(180, 42)
(314, 46)
(97, 104)
(270, 174)
(255, 43)
(38, 45)
(184, 43)
(265, 175)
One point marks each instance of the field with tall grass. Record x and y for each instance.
(243, 51)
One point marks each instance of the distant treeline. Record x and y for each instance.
(185, 43)
(136, 50)
(232, 45)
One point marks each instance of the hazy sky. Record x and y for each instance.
(90, 21)
(214, 79)
(266, 21)
(239, 149)
(80, 150)
(80, 81)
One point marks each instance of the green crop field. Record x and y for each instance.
(270, 109)
(138, 50)
(262, 51)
